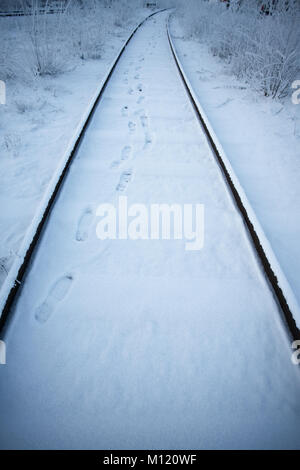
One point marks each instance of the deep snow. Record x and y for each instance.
(141, 344)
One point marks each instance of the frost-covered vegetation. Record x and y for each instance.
(260, 40)
(50, 42)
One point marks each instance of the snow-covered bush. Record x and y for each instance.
(124, 11)
(270, 53)
(88, 23)
(46, 49)
(52, 35)
(91, 20)
(7, 69)
(262, 49)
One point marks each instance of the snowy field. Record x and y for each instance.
(141, 344)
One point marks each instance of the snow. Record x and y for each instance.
(260, 138)
(282, 280)
(141, 344)
(52, 110)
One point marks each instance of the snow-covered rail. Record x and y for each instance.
(15, 276)
(271, 267)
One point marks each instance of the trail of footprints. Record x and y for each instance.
(59, 290)
(126, 153)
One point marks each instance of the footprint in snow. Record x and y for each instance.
(145, 126)
(125, 178)
(84, 225)
(144, 121)
(125, 154)
(148, 139)
(57, 293)
(131, 126)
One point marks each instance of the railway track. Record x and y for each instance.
(218, 152)
(155, 347)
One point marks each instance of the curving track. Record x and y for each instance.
(141, 344)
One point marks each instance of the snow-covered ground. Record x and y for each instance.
(142, 344)
(261, 137)
(37, 123)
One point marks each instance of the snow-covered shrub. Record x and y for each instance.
(45, 51)
(261, 49)
(6, 65)
(46, 43)
(12, 144)
(88, 23)
(271, 53)
(10, 58)
(124, 12)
